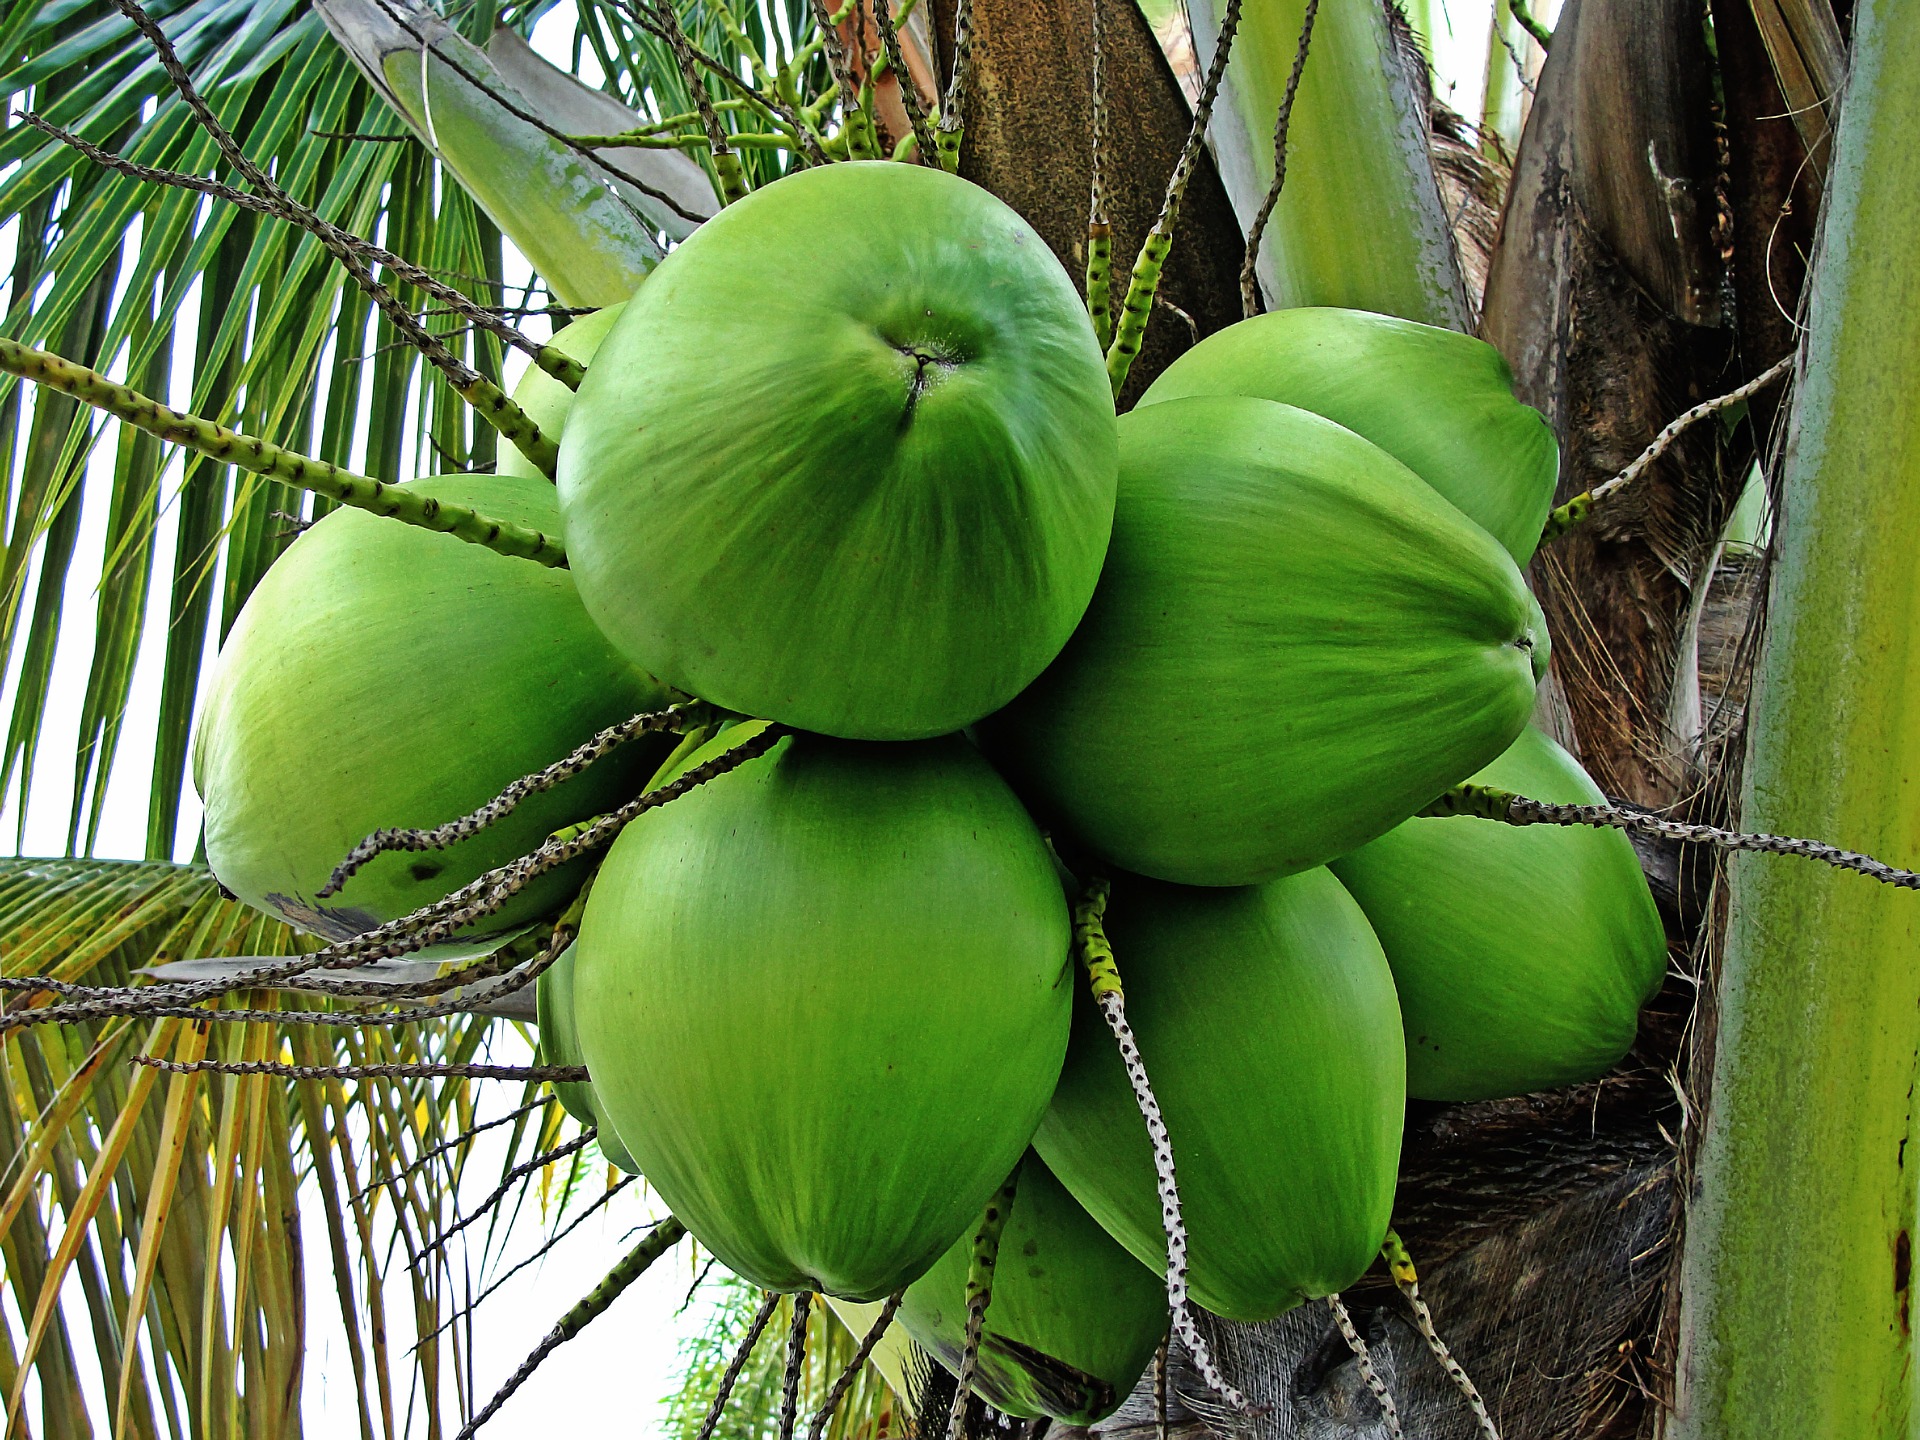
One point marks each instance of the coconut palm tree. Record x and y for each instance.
(1658, 203)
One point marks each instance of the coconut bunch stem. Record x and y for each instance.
(953, 104)
(1144, 283)
(729, 1377)
(1489, 803)
(843, 1382)
(507, 1182)
(491, 402)
(979, 1295)
(1582, 506)
(1103, 974)
(557, 363)
(262, 457)
(1249, 282)
(926, 148)
(1407, 1280)
(406, 1071)
(1099, 228)
(1389, 1412)
(632, 1266)
(796, 1362)
(675, 718)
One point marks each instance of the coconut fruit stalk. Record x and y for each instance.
(382, 675)
(1522, 955)
(824, 998)
(866, 494)
(1266, 1018)
(1074, 1319)
(544, 399)
(1439, 402)
(1296, 644)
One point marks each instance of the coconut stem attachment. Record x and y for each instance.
(632, 1266)
(1099, 229)
(1580, 507)
(491, 402)
(1489, 803)
(424, 1071)
(856, 122)
(674, 717)
(926, 146)
(1096, 954)
(1531, 25)
(844, 1381)
(796, 1362)
(500, 1191)
(1249, 282)
(980, 1267)
(557, 363)
(260, 457)
(1144, 283)
(953, 105)
(1400, 1266)
(731, 1375)
(726, 162)
(1389, 1412)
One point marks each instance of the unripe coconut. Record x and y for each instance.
(847, 460)
(1296, 644)
(384, 675)
(824, 998)
(1522, 953)
(1438, 401)
(560, 1045)
(1267, 1023)
(1074, 1318)
(548, 402)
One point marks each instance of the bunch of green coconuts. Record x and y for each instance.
(849, 464)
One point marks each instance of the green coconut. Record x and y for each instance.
(1267, 1022)
(847, 460)
(384, 675)
(560, 1045)
(1296, 645)
(824, 998)
(1074, 1318)
(1438, 401)
(1522, 954)
(548, 402)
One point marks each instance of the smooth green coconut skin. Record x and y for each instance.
(1296, 645)
(847, 460)
(1267, 1022)
(1074, 1318)
(1522, 953)
(548, 402)
(560, 1045)
(385, 675)
(824, 998)
(1438, 401)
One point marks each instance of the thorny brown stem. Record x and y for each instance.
(490, 318)
(1096, 954)
(1249, 285)
(513, 1176)
(924, 143)
(953, 105)
(631, 1267)
(1489, 803)
(546, 1247)
(731, 1375)
(1566, 516)
(491, 402)
(844, 1381)
(674, 717)
(1400, 1265)
(796, 1351)
(425, 1070)
(1389, 1412)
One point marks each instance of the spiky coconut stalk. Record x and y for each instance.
(261, 457)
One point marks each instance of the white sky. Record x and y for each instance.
(613, 1376)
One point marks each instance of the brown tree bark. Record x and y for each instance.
(1028, 123)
